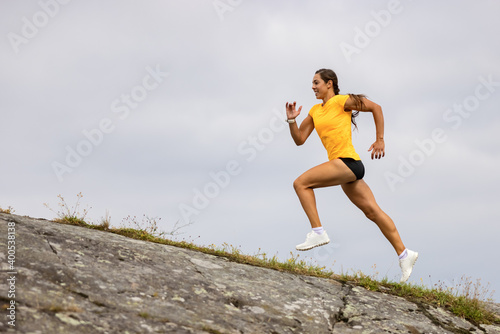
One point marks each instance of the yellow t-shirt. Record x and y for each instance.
(333, 125)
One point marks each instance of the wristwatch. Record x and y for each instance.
(291, 120)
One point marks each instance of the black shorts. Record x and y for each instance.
(356, 166)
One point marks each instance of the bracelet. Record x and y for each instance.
(290, 121)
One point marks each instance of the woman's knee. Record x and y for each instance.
(296, 184)
(371, 212)
(299, 183)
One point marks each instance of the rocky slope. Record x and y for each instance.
(69, 279)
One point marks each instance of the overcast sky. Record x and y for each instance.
(175, 109)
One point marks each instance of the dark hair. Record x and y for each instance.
(327, 75)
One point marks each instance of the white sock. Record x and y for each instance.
(404, 254)
(318, 230)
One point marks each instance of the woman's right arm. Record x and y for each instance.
(301, 134)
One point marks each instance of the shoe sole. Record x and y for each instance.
(413, 265)
(306, 249)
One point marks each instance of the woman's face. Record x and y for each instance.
(319, 87)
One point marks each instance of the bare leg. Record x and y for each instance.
(360, 194)
(331, 173)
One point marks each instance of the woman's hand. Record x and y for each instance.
(378, 149)
(291, 113)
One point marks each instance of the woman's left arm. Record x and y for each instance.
(378, 147)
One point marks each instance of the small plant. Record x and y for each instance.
(106, 221)
(9, 210)
(144, 315)
(62, 308)
(73, 308)
(69, 214)
(56, 308)
(149, 226)
(210, 330)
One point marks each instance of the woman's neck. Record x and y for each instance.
(327, 97)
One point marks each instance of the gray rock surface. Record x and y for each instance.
(77, 280)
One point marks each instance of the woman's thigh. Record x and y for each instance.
(330, 173)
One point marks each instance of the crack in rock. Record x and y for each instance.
(87, 297)
(44, 236)
(51, 247)
(339, 316)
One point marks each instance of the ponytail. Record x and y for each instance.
(358, 101)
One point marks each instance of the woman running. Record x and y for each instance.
(332, 121)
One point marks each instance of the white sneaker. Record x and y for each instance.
(313, 239)
(407, 264)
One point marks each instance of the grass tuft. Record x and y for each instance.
(9, 210)
(106, 221)
(210, 330)
(144, 315)
(70, 214)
